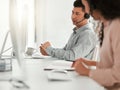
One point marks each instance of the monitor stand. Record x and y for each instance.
(5, 63)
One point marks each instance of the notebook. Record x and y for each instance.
(60, 65)
(39, 56)
(59, 75)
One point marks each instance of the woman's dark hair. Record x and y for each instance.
(101, 34)
(78, 3)
(110, 9)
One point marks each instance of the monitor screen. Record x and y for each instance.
(18, 35)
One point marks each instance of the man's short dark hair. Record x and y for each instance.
(78, 3)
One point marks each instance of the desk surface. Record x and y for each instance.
(37, 79)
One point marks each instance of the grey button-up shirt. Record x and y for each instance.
(80, 44)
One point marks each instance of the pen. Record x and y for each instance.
(82, 64)
(85, 65)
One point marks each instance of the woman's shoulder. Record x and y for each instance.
(115, 23)
(115, 30)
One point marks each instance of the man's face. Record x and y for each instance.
(77, 15)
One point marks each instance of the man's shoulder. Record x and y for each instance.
(88, 31)
(87, 27)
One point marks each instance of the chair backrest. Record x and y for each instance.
(96, 56)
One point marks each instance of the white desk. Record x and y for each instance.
(37, 79)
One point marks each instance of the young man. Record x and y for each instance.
(81, 42)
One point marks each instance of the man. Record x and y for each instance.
(82, 41)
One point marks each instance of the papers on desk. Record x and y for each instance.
(60, 65)
(36, 55)
(39, 56)
(59, 75)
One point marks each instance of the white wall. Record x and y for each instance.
(53, 21)
(52, 18)
(4, 22)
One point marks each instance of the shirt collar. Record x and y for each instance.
(80, 29)
(74, 30)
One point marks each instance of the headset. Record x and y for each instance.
(86, 16)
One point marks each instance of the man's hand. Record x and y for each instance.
(43, 47)
(43, 52)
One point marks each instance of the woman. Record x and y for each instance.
(107, 71)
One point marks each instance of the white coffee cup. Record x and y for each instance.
(30, 51)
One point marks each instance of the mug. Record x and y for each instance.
(30, 51)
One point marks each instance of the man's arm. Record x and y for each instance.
(82, 48)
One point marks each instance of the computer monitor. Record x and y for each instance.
(17, 32)
(18, 37)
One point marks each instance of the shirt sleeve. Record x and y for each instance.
(82, 48)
